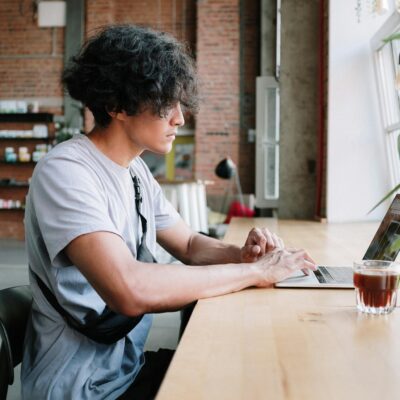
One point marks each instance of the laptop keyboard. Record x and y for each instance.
(334, 275)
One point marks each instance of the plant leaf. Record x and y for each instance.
(394, 190)
(393, 36)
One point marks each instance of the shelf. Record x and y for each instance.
(26, 117)
(13, 185)
(18, 163)
(12, 209)
(44, 139)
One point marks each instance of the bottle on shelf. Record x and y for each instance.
(9, 204)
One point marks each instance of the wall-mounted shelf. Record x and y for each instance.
(16, 130)
(27, 117)
(43, 139)
(19, 162)
(14, 185)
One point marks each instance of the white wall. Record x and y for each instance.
(357, 169)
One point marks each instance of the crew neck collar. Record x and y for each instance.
(115, 166)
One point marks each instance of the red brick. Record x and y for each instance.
(211, 29)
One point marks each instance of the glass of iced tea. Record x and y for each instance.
(376, 284)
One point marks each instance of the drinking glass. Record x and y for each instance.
(376, 284)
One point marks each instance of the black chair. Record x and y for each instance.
(15, 308)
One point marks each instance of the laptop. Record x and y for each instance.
(384, 246)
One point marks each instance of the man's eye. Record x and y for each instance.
(166, 112)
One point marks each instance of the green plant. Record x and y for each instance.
(63, 132)
(393, 36)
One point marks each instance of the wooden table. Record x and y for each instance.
(289, 343)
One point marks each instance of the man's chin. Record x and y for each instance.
(162, 151)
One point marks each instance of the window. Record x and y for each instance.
(386, 57)
(267, 148)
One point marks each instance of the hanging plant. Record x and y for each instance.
(373, 7)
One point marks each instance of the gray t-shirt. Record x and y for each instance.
(76, 190)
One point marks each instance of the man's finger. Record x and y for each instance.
(270, 245)
(251, 253)
(255, 249)
(260, 240)
(310, 265)
(308, 257)
(277, 241)
(303, 260)
(255, 237)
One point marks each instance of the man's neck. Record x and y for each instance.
(114, 143)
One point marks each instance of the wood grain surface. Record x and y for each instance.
(289, 343)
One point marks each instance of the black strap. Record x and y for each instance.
(143, 253)
(110, 326)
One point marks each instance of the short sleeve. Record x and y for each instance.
(68, 201)
(165, 214)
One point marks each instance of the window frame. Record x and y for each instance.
(390, 128)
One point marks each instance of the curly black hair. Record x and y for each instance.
(130, 68)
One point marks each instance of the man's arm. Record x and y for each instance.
(196, 249)
(132, 288)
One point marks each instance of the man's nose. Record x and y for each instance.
(177, 116)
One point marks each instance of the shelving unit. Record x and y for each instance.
(18, 173)
(43, 139)
(27, 117)
(18, 162)
(14, 185)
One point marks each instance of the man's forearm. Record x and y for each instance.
(133, 288)
(165, 287)
(203, 250)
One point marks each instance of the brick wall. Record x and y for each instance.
(177, 17)
(218, 122)
(30, 58)
(31, 61)
(228, 62)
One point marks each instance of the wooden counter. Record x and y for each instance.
(289, 343)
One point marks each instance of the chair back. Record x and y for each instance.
(15, 308)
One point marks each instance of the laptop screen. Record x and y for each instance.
(386, 243)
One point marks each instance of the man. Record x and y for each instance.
(94, 214)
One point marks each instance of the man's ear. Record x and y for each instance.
(120, 116)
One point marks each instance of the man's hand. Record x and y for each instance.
(259, 242)
(281, 263)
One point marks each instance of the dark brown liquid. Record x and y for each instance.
(376, 288)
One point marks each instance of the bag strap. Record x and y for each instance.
(143, 252)
(108, 328)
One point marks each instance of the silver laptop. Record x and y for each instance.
(384, 246)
